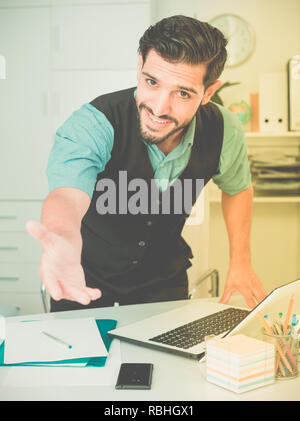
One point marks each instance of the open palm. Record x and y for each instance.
(60, 268)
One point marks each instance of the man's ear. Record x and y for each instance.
(210, 91)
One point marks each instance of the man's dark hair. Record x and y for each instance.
(182, 39)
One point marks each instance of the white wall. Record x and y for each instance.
(277, 30)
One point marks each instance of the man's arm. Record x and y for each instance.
(82, 147)
(60, 237)
(63, 211)
(237, 211)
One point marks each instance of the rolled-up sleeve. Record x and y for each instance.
(234, 173)
(82, 147)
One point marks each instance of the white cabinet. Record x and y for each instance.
(59, 55)
(15, 214)
(94, 51)
(28, 303)
(25, 136)
(19, 257)
(18, 247)
(24, 103)
(103, 36)
(73, 89)
(19, 277)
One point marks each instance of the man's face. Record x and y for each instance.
(168, 96)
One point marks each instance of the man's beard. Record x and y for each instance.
(152, 139)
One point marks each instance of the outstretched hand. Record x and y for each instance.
(60, 268)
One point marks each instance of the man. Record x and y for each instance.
(96, 254)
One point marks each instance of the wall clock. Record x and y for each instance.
(240, 36)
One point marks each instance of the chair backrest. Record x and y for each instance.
(206, 285)
(45, 299)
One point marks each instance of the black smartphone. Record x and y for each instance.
(135, 376)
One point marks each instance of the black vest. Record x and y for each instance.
(123, 251)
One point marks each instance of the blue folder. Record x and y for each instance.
(104, 326)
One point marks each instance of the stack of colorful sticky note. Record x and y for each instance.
(240, 363)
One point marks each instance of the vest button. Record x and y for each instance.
(149, 223)
(142, 243)
(135, 262)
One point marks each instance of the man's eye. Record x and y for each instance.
(184, 94)
(151, 82)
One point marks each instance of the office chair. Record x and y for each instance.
(213, 274)
(45, 298)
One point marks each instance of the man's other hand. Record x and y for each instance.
(243, 279)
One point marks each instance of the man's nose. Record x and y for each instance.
(161, 105)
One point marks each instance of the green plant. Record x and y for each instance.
(216, 97)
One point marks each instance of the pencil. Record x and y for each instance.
(278, 363)
(269, 331)
(289, 312)
(289, 354)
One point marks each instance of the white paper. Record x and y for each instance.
(26, 343)
(2, 328)
(29, 376)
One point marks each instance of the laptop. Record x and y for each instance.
(183, 331)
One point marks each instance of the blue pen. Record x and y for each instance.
(294, 324)
(294, 320)
(57, 339)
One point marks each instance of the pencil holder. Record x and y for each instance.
(286, 357)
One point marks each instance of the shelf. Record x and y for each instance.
(273, 140)
(276, 199)
(263, 199)
(272, 135)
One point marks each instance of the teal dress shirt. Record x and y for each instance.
(83, 145)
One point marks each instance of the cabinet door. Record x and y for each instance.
(24, 121)
(103, 36)
(73, 89)
(19, 247)
(27, 303)
(14, 215)
(19, 278)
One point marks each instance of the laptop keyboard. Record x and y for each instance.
(191, 334)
